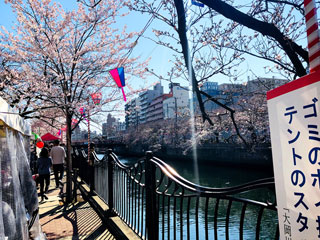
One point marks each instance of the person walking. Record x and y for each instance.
(44, 163)
(58, 155)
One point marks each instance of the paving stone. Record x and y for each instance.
(74, 221)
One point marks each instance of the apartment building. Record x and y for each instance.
(155, 108)
(132, 110)
(212, 89)
(178, 103)
(146, 98)
(262, 85)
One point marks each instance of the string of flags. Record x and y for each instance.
(40, 143)
(73, 122)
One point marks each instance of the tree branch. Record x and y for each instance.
(290, 47)
(185, 49)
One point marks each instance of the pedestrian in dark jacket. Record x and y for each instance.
(44, 164)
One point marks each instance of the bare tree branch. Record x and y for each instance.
(291, 48)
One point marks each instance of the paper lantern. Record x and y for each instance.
(96, 97)
(74, 121)
(40, 144)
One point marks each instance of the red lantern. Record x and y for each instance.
(96, 97)
(40, 144)
(74, 121)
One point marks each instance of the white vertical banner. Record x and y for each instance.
(294, 117)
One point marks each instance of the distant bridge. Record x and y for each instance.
(100, 147)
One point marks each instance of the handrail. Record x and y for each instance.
(172, 174)
(145, 194)
(118, 162)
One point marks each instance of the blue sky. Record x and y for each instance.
(145, 48)
(135, 22)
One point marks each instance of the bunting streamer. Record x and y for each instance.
(83, 113)
(36, 136)
(193, 2)
(118, 76)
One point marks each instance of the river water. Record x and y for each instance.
(219, 176)
(209, 174)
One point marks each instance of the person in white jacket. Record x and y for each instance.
(58, 155)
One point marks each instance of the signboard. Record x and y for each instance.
(294, 116)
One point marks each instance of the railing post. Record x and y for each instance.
(75, 183)
(152, 212)
(110, 180)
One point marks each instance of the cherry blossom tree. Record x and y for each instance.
(55, 59)
(158, 135)
(250, 115)
(276, 29)
(212, 41)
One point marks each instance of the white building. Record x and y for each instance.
(178, 104)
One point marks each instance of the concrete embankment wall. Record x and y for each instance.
(220, 154)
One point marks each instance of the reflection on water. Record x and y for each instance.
(218, 176)
(211, 175)
(215, 176)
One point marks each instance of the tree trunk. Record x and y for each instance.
(69, 159)
(182, 29)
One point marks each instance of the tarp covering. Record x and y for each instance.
(12, 119)
(49, 137)
(18, 193)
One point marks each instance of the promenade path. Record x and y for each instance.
(74, 221)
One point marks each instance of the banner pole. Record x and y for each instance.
(312, 34)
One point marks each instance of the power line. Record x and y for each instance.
(126, 55)
(143, 31)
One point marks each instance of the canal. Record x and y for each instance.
(219, 176)
(209, 174)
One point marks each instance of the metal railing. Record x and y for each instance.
(157, 203)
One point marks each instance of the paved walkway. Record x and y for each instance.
(75, 221)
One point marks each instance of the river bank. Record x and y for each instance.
(219, 154)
